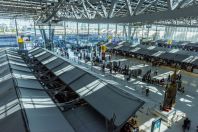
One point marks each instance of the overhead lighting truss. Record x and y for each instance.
(102, 11)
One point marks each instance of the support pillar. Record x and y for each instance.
(97, 50)
(148, 32)
(142, 31)
(156, 33)
(48, 41)
(16, 26)
(20, 44)
(34, 30)
(88, 34)
(108, 31)
(129, 33)
(42, 31)
(65, 32)
(116, 30)
(77, 33)
(98, 29)
(124, 32)
(50, 44)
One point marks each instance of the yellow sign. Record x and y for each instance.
(103, 48)
(170, 42)
(20, 41)
(110, 37)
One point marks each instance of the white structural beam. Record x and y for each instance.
(85, 9)
(112, 8)
(169, 3)
(129, 32)
(128, 2)
(119, 9)
(139, 4)
(147, 6)
(82, 13)
(181, 3)
(104, 9)
(187, 12)
(74, 12)
(177, 4)
(94, 8)
(54, 11)
(185, 3)
(125, 32)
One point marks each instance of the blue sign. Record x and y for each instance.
(156, 125)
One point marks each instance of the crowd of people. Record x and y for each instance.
(149, 78)
(117, 67)
(156, 61)
(80, 53)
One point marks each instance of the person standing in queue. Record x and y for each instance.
(147, 91)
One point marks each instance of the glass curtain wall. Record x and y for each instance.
(149, 32)
(120, 32)
(97, 32)
(10, 28)
(94, 33)
(111, 31)
(181, 33)
(71, 32)
(83, 33)
(103, 31)
(93, 29)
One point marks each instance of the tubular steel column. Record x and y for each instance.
(148, 32)
(16, 26)
(156, 34)
(97, 52)
(34, 30)
(88, 34)
(129, 33)
(98, 29)
(116, 30)
(77, 33)
(50, 38)
(124, 32)
(142, 31)
(20, 44)
(65, 31)
(42, 31)
(107, 31)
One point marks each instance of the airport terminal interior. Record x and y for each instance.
(98, 65)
